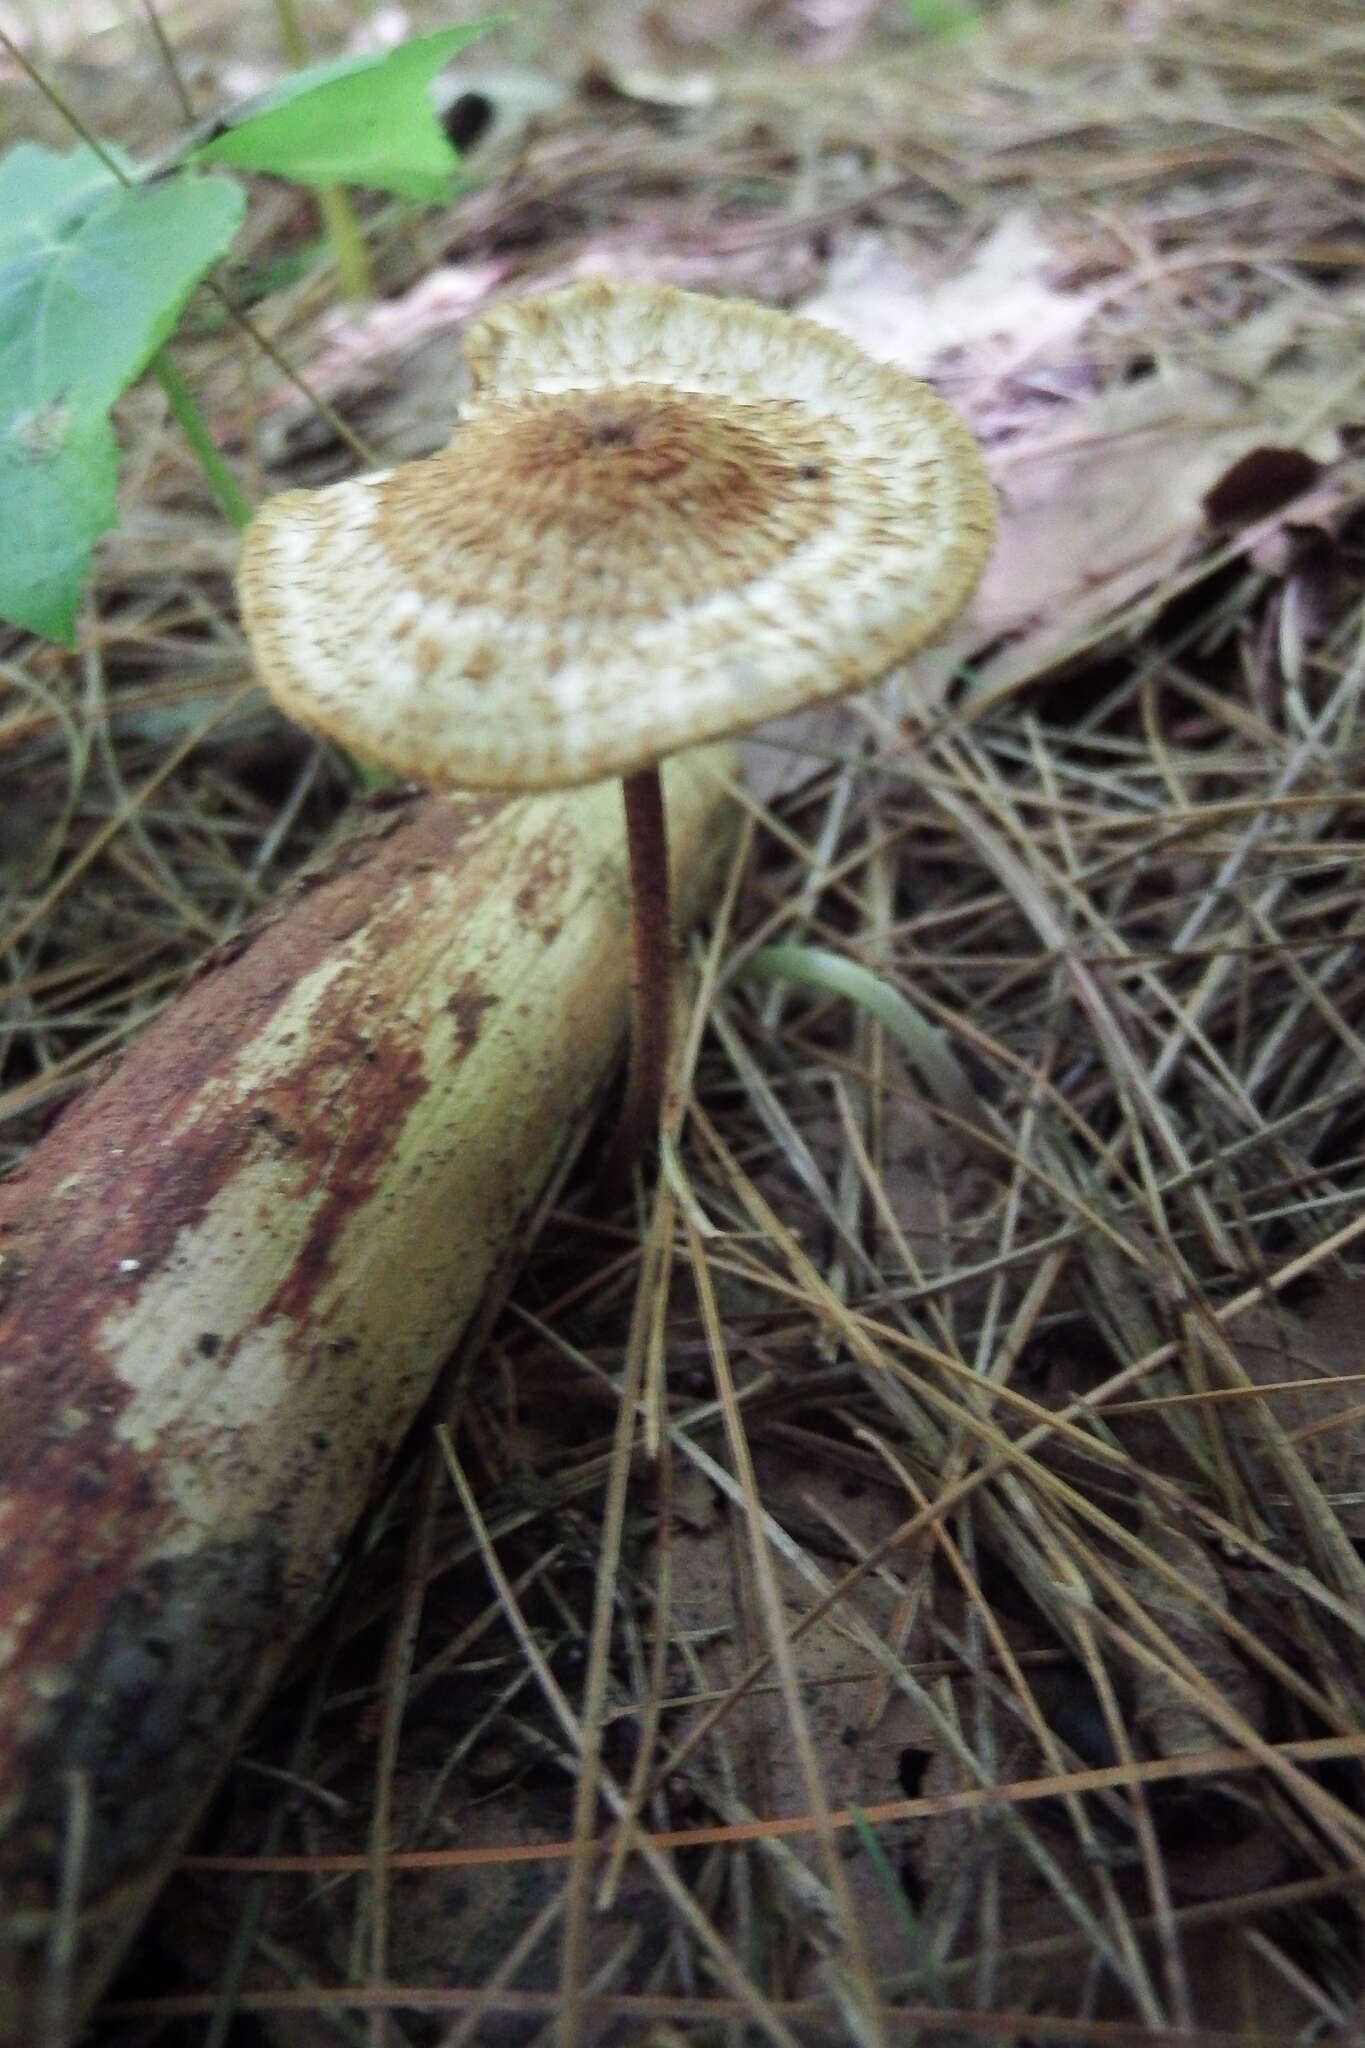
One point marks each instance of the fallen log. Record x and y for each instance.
(228, 1279)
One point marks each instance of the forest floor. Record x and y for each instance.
(988, 1653)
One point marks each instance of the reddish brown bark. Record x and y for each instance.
(228, 1277)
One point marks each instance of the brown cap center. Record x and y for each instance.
(637, 501)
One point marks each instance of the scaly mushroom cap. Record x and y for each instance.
(662, 519)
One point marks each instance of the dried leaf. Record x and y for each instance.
(994, 316)
(1104, 506)
(1101, 502)
(860, 1742)
(1172, 1723)
(1317, 1350)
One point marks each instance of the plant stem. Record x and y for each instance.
(194, 427)
(349, 253)
(651, 934)
(355, 273)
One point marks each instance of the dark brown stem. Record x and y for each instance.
(651, 930)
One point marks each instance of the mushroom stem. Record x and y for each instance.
(651, 931)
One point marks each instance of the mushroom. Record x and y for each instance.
(662, 519)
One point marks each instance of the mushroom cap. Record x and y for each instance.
(662, 519)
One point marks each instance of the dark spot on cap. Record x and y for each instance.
(612, 434)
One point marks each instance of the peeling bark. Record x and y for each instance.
(228, 1277)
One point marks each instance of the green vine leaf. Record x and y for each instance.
(358, 121)
(94, 274)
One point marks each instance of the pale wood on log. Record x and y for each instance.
(228, 1278)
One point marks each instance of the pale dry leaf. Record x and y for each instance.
(1237, 1988)
(1102, 505)
(1317, 1348)
(649, 253)
(973, 1866)
(685, 56)
(662, 56)
(997, 314)
(991, 318)
(49, 32)
(825, 30)
(787, 752)
(861, 1751)
(1172, 1723)
(931, 1183)
(1218, 1839)
(395, 370)
(471, 1913)
(354, 342)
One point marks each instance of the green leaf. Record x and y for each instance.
(93, 276)
(943, 19)
(42, 188)
(358, 121)
(57, 495)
